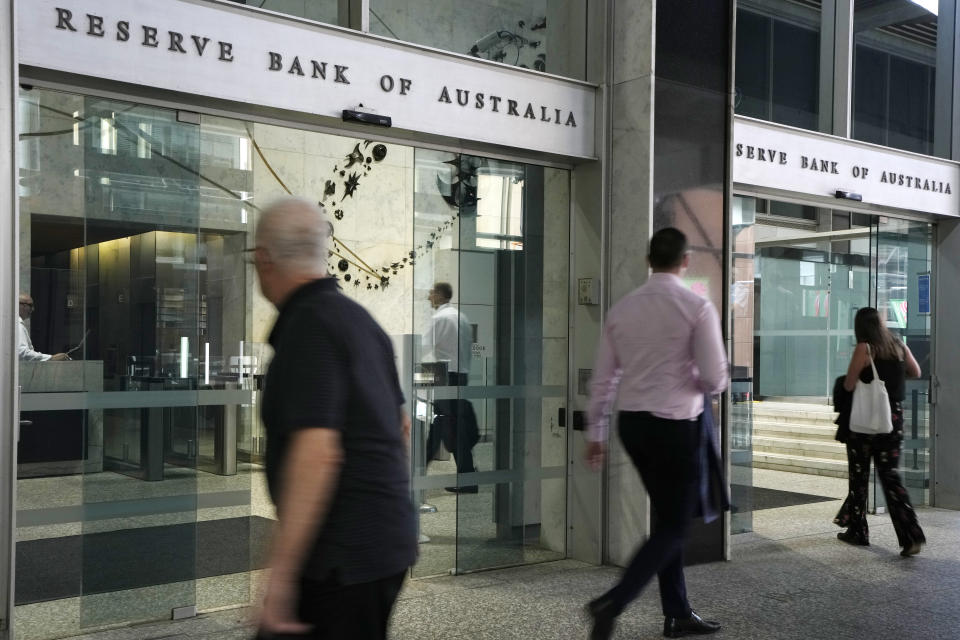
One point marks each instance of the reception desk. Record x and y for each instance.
(152, 424)
(60, 436)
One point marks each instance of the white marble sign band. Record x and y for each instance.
(230, 52)
(787, 159)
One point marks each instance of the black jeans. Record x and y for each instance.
(884, 449)
(456, 426)
(665, 453)
(345, 612)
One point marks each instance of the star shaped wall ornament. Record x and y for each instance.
(355, 157)
(350, 186)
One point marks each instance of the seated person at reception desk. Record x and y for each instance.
(448, 340)
(25, 350)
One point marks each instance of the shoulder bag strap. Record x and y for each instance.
(876, 376)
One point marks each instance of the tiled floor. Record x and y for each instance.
(782, 586)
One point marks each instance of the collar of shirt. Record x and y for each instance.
(328, 284)
(664, 277)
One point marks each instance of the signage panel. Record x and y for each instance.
(777, 157)
(235, 54)
(923, 293)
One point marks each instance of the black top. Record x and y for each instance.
(333, 368)
(894, 376)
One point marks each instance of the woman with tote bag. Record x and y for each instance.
(879, 353)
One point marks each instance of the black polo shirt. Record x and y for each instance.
(333, 368)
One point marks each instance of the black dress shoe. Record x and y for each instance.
(679, 627)
(853, 537)
(911, 549)
(604, 619)
(472, 488)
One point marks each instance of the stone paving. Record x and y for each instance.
(799, 587)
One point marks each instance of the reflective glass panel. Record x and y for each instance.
(894, 73)
(777, 75)
(319, 10)
(534, 34)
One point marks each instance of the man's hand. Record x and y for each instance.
(278, 614)
(59, 356)
(406, 425)
(596, 454)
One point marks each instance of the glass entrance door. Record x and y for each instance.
(490, 309)
(799, 276)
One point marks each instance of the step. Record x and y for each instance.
(817, 432)
(807, 448)
(793, 406)
(795, 417)
(800, 464)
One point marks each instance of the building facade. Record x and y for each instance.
(521, 151)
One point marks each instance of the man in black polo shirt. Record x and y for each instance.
(336, 456)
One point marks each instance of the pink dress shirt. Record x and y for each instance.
(662, 348)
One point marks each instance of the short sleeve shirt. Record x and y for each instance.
(334, 368)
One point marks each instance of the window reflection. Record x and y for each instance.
(534, 34)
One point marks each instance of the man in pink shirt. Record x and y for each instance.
(661, 352)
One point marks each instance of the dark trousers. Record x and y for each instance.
(884, 449)
(665, 453)
(456, 426)
(346, 612)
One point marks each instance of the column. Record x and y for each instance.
(629, 187)
(945, 473)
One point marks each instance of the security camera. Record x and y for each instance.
(848, 195)
(487, 42)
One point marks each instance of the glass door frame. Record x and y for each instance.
(915, 410)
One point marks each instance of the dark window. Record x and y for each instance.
(893, 100)
(753, 65)
(796, 75)
(777, 70)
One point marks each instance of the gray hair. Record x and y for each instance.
(295, 234)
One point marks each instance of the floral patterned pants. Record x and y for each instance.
(884, 449)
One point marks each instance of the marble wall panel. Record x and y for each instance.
(630, 225)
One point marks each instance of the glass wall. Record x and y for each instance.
(534, 34)
(778, 62)
(140, 484)
(894, 71)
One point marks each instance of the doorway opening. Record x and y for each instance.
(799, 275)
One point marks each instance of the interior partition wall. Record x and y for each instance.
(140, 484)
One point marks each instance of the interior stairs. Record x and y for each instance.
(799, 437)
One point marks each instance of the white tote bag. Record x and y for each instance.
(870, 413)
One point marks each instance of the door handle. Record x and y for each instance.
(26, 423)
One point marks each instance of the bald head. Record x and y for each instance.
(294, 234)
(26, 305)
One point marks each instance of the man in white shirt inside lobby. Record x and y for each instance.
(25, 350)
(449, 339)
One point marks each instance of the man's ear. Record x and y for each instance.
(686, 260)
